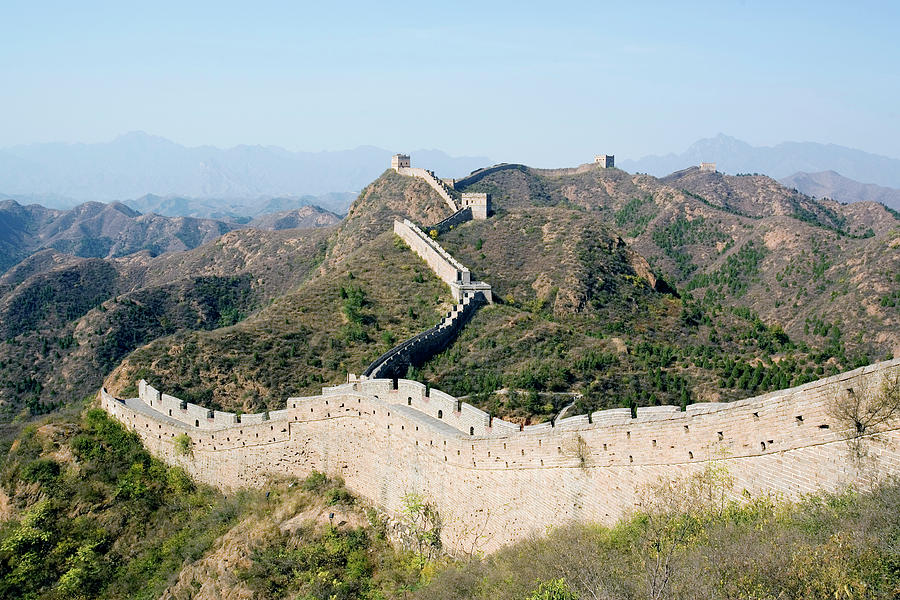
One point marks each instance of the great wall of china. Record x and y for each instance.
(493, 481)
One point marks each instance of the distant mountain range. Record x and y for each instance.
(829, 184)
(135, 164)
(239, 211)
(734, 156)
(97, 230)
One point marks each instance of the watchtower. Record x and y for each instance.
(606, 161)
(707, 167)
(480, 203)
(400, 161)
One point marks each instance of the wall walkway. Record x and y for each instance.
(418, 349)
(463, 215)
(437, 184)
(493, 481)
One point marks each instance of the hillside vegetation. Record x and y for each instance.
(685, 542)
(612, 289)
(67, 325)
(87, 513)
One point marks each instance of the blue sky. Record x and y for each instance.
(548, 84)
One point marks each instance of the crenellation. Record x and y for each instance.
(400, 163)
(389, 437)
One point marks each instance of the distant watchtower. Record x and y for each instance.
(707, 167)
(606, 161)
(480, 203)
(400, 161)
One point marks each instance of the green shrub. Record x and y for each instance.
(183, 444)
(339, 496)
(557, 589)
(314, 482)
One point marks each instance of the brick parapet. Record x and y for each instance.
(440, 261)
(419, 348)
(461, 216)
(438, 185)
(485, 473)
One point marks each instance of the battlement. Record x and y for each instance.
(439, 260)
(400, 161)
(493, 481)
(389, 438)
(707, 167)
(419, 348)
(401, 164)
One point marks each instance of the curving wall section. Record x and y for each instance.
(463, 215)
(431, 179)
(493, 481)
(418, 349)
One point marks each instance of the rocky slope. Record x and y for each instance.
(67, 321)
(304, 217)
(745, 241)
(622, 289)
(96, 230)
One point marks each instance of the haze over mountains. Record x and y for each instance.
(829, 184)
(135, 164)
(97, 230)
(735, 156)
(239, 211)
(153, 174)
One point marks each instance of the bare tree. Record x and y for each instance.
(578, 448)
(674, 512)
(865, 411)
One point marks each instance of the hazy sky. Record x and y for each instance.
(548, 83)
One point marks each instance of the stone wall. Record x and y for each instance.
(439, 260)
(479, 202)
(606, 161)
(476, 176)
(418, 349)
(461, 216)
(494, 482)
(400, 161)
(438, 185)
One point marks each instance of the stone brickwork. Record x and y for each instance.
(479, 203)
(463, 215)
(469, 295)
(606, 161)
(418, 349)
(443, 189)
(400, 161)
(494, 482)
(451, 271)
(707, 167)
(479, 174)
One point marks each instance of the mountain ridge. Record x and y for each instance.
(137, 163)
(831, 184)
(98, 230)
(734, 156)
